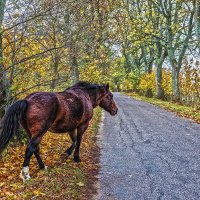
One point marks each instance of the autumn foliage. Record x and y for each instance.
(64, 179)
(189, 84)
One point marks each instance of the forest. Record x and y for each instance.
(150, 47)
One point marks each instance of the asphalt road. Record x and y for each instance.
(148, 153)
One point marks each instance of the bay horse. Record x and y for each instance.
(58, 112)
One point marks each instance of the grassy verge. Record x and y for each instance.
(64, 179)
(181, 110)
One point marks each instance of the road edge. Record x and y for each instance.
(96, 184)
(178, 113)
(92, 176)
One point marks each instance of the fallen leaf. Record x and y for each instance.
(2, 184)
(80, 184)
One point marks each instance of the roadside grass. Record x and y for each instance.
(181, 110)
(64, 179)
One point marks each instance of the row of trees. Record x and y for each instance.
(158, 31)
(47, 45)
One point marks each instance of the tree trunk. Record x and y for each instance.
(127, 64)
(55, 60)
(197, 23)
(2, 83)
(71, 43)
(176, 60)
(176, 66)
(161, 55)
(149, 92)
(2, 73)
(55, 70)
(175, 84)
(74, 70)
(159, 89)
(148, 61)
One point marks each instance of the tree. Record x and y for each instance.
(174, 36)
(175, 25)
(197, 23)
(2, 73)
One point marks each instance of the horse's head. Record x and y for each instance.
(107, 102)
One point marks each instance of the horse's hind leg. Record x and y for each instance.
(31, 147)
(73, 145)
(37, 151)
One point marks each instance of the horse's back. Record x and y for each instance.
(41, 101)
(71, 112)
(59, 112)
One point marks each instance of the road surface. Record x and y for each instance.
(148, 153)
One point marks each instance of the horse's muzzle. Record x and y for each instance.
(114, 112)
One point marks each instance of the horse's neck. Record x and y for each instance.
(96, 98)
(91, 94)
(93, 98)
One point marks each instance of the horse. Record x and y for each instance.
(69, 111)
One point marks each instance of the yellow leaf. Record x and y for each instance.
(80, 184)
(38, 192)
(2, 184)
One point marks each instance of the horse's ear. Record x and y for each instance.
(107, 86)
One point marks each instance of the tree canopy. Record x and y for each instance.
(151, 47)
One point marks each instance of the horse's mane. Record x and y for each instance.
(85, 85)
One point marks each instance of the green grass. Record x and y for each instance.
(181, 110)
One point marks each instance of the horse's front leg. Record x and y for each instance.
(73, 145)
(80, 132)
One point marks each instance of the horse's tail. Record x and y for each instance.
(10, 123)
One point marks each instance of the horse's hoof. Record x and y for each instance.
(44, 167)
(68, 153)
(25, 174)
(77, 159)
